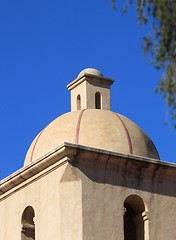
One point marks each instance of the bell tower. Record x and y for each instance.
(90, 90)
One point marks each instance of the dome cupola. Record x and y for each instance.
(90, 90)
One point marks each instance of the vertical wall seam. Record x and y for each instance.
(78, 126)
(127, 134)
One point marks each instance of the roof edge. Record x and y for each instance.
(69, 152)
(83, 78)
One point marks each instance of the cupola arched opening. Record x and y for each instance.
(79, 102)
(135, 219)
(28, 226)
(98, 100)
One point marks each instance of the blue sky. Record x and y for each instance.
(45, 44)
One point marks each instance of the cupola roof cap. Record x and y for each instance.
(91, 71)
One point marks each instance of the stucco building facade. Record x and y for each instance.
(91, 174)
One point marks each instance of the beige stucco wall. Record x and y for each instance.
(103, 213)
(104, 195)
(55, 215)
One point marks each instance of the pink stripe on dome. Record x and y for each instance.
(35, 145)
(78, 126)
(127, 133)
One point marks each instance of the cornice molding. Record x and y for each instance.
(77, 154)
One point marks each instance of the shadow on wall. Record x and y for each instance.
(136, 174)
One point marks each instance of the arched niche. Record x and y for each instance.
(98, 100)
(28, 226)
(136, 225)
(78, 102)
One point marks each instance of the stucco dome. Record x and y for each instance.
(101, 129)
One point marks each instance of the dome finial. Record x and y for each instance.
(91, 71)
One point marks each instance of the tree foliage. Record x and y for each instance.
(160, 43)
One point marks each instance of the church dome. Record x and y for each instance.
(91, 122)
(101, 129)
